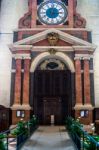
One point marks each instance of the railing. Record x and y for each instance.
(81, 138)
(15, 138)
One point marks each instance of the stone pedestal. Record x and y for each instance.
(88, 117)
(15, 118)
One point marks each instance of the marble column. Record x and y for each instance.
(17, 93)
(26, 82)
(87, 96)
(71, 11)
(34, 13)
(78, 82)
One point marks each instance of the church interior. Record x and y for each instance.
(49, 54)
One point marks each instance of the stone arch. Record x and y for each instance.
(58, 55)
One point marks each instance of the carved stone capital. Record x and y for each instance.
(77, 58)
(86, 58)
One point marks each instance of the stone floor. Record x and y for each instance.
(49, 138)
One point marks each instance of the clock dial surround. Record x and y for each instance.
(52, 12)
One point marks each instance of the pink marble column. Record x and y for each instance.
(34, 13)
(78, 81)
(17, 94)
(26, 81)
(87, 97)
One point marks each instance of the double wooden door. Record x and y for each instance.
(52, 95)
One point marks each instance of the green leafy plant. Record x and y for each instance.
(33, 121)
(2, 145)
(21, 128)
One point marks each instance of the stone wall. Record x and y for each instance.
(90, 10)
(11, 11)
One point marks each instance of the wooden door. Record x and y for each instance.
(4, 118)
(52, 107)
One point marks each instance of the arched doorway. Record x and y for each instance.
(52, 90)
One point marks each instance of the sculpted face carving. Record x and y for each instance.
(53, 38)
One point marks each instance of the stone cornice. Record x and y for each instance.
(84, 48)
(15, 47)
(44, 48)
(65, 29)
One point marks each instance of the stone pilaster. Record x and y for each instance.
(78, 83)
(26, 83)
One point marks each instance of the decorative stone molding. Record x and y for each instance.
(26, 57)
(18, 57)
(21, 56)
(77, 58)
(79, 22)
(26, 106)
(25, 21)
(21, 107)
(58, 55)
(14, 70)
(84, 55)
(63, 29)
(86, 58)
(46, 48)
(78, 106)
(91, 71)
(83, 107)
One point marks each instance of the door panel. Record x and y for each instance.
(51, 83)
(4, 118)
(52, 95)
(52, 107)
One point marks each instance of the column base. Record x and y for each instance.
(22, 107)
(85, 113)
(20, 112)
(78, 106)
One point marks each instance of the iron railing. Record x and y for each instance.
(16, 137)
(81, 138)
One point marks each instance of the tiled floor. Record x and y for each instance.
(49, 138)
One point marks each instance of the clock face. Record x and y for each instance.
(52, 12)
